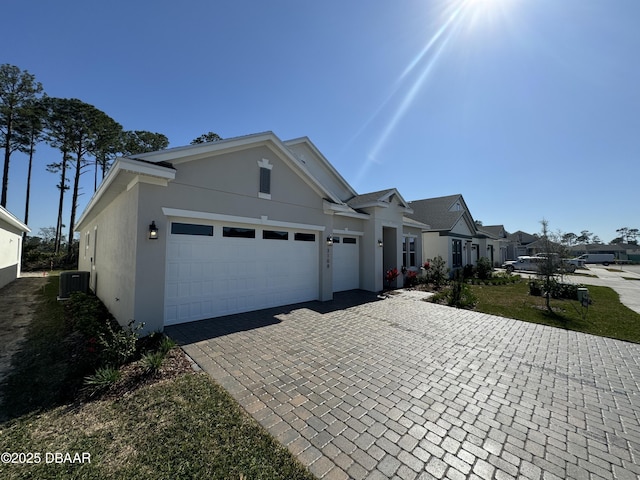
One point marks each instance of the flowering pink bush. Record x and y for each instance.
(411, 278)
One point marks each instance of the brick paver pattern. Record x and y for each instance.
(405, 389)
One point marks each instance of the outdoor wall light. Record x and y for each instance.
(380, 243)
(153, 231)
(329, 240)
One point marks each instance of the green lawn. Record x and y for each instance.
(182, 426)
(606, 316)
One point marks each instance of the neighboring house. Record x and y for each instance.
(236, 225)
(451, 232)
(520, 243)
(11, 232)
(493, 239)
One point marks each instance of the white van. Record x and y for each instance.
(603, 258)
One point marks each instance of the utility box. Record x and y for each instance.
(74, 281)
(583, 296)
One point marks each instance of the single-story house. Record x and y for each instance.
(241, 224)
(451, 232)
(493, 239)
(520, 243)
(11, 232)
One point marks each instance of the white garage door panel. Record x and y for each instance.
(346, 266)
(214, 276)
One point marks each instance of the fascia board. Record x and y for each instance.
(287, 156)
(326, 162)
(124, 165)
(8, 217)
(187, 153)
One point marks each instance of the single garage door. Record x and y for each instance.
(219, 269)
(346, 263)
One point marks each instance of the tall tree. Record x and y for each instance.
(141, 141)
(30, 132)
(628, 235)
(547, 268)
(59, 134)
(569, 238)
(584, 237)
(87, 125)
(107, 146)
(206, 138)
(16, 89)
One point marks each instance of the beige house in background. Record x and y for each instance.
(452, 233)
(237, 225)
(11, 231)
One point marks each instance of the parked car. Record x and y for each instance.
(532, 264)
(603, 258)
(568, 264)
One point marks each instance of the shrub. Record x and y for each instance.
(468, 271)
(483, 268)
(567, 291)
(166, 344)
(118, 345)
(86, 314)
(411, 279)
(460, 295)
(438, 272)
(153, 361)
(101, 380)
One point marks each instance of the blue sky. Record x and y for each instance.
(529, 108)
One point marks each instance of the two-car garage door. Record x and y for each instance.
(216, 269)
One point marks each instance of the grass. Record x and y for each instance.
(605, 317)
(184, 426)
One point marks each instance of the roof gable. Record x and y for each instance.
(179, 155)
(309, 155)
(381, 198)
(442, 213)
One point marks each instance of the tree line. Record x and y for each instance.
(625, 235)
(86, 137)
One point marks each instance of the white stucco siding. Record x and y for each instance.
(108, 245)
(433, 245)
(10, 253)
(229, 184)
(11, 231)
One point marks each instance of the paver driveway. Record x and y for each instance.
(400, 388)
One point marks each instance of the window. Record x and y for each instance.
(305, 237)
(336, 239)
(457, 253)
(191, 229)
(275, 235)
(409, 251)
(265, 180)
(238, 232)
(264, 188)
(349, 240)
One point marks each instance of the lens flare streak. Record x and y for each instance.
(428, 57)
